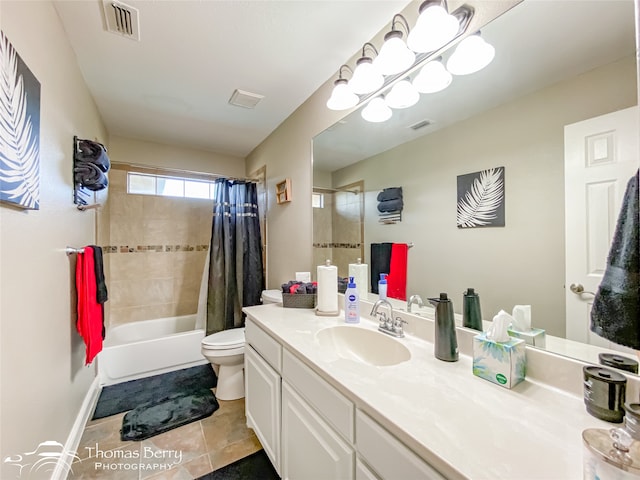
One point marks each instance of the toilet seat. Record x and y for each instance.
(224, 340)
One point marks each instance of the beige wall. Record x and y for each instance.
(43, 377)
(522, 263)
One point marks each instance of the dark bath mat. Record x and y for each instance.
(254, 467)
(153, 418)
(128, 395)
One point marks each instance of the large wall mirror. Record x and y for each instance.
(557, 63)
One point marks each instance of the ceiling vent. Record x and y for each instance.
(421, 124)
(121, 19)
(240, 98)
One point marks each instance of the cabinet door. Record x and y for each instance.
(262, 403)
(311, 450)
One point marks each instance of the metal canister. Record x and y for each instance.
(604, 393)
(610, 455)
(618, 361)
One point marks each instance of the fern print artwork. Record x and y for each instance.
(481, 199)
(19, 130)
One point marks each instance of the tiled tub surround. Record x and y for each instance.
(156, 249)
(462, 425)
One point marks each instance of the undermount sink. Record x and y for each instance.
(363, 345)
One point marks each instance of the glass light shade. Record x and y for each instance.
(376, 111)
(434, 29)
(402, 95)
(366, 77)
(471, 54)
(432, 78)
(394, 56)
(342, 97)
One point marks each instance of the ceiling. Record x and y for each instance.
(538, 43)
(173, 86)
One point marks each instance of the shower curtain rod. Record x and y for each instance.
(333, 190)
(174, 171)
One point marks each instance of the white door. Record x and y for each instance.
(601, 155)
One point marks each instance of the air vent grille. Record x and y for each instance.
(240, 98)
(421, 124)
(122, 19)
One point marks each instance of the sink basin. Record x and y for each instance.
(363, 345)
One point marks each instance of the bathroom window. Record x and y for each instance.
(167, 186)
(317, 200)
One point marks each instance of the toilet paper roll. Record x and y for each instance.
(360, 274)
(327, 300)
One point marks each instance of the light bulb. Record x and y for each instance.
(342, 97)
(471, 54)
(434, 29)
(402, 95)
(432, 78)
(366, 77)
(376, 111)
(395, 56)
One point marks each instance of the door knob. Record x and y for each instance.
(578, 289)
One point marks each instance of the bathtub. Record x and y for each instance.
(149, 347)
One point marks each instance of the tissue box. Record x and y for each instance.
(536, 337)
(503, 363)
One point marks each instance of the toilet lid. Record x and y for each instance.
(231, 338)
(274, 296)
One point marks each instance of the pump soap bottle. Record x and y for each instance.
(382, 287)
(351, 303)
(471, 315)
(446, 343)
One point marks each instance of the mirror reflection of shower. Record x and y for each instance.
(338, 225)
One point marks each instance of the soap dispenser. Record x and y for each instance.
(471, 315)
(382, 287)
(445, 343)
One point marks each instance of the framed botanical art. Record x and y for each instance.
(481, 199)
(19, 130)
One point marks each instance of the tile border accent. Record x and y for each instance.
(153, 248)
(337, 245)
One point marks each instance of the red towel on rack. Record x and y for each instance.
(90, 316)
(397, 278)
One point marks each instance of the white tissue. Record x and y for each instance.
(360, 274)
(498, 329)
(303, 277)
(521, 318)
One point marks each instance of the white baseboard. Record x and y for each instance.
(73, 440)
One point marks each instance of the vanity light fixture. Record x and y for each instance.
(366, 77)
(376, 110)
(395, 56)
(434, 29)
(433, 77)
(402, 95)
(342, 97)
(471, 54)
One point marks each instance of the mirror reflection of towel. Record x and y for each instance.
(616, 308)
(397, 279)
(380, 262)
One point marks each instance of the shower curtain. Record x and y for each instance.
(236, 276)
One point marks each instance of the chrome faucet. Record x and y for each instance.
(414, 299)
(388, 324)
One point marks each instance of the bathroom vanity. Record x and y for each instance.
(324, 407)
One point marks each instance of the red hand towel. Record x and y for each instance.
(89, 323)
(397, 278)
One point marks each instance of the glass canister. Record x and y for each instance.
(610, 455)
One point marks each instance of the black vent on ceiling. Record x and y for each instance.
(421, 124)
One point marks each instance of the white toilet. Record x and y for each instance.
(225, 352)
(271, 296)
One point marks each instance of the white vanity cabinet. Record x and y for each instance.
(311, 449)
(312, 431)
(263, 390)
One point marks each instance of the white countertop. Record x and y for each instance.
(465, 426)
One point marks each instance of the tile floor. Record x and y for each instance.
(184, 453)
